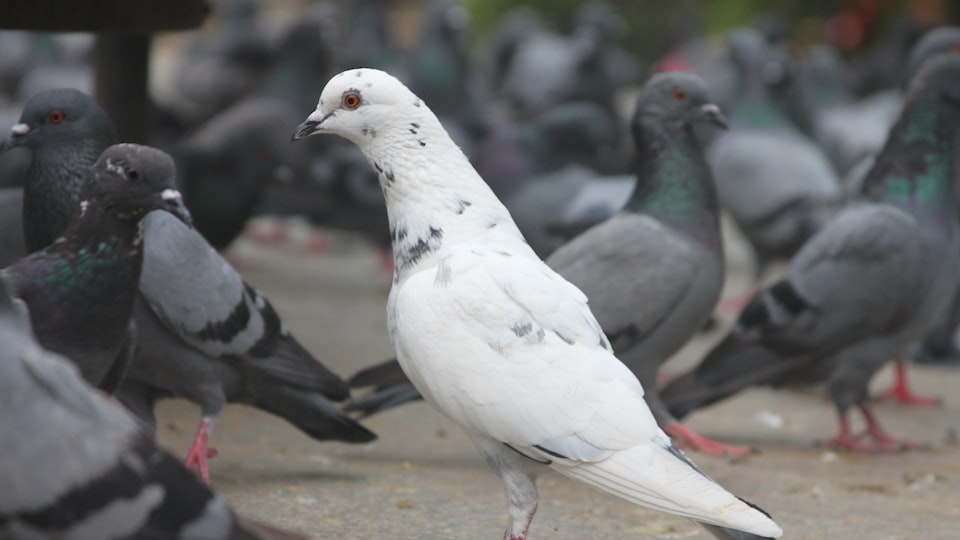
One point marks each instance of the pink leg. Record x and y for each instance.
(881, 440)
(272, 234)
(685, 437)
(902, 393)
(522, 535)
(318, 243)
(198, 453)
(736, 303)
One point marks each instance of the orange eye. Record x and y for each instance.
(56, 117)
(351, 100)
(679, 94)
(131, 174)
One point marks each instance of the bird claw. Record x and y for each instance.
(905, 396)
(685, 437)
(878, 443)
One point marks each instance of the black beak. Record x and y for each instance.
(307, 128)
(711, 113)
(173, 203)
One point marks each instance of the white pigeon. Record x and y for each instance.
(499, 342)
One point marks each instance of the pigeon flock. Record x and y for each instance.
(550, 210)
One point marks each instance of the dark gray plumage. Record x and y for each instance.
(77, 466)
(207, 313)
(80, 289)
(864, 288)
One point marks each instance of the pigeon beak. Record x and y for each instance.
(17, 132)
(711, 113)
(310, 126)
(174, 202)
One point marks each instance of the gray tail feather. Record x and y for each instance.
(308, 411)
(391, 388)
(383, 399)
(733, 365)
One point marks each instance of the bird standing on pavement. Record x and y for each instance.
(863, 289)
(496, 340)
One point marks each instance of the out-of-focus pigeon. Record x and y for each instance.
(653, 272)
(867, 286)
(80, 290)
(225, 166)
(77, 466)
(204, 334)
(777, 184)
(12, 247)
(496, 340)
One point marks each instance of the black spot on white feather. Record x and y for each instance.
(462, 206)
(415, 125)
(522, 329)
(550, 452)
(409, 254)
(369, 132)
(543, 461)
(503, 253)
(398, 234)
(416, 103)
(378, 167)
(413, 131)
(359, 73)
(422, 142)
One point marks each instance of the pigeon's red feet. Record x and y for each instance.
(873, 440)
(199, 453)
(735, 304)
(319, 242)
(385, 258)
(903, 394)
(685, 437)
(271, 233)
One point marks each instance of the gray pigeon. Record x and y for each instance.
(653, 272)
(864, 288)
(77, 466)
(80, 290)
(775, 182)
(235, 349)
(11, 228)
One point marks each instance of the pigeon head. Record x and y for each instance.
(940, 74)
(61, 118)
(360, 104)
(934, 42)
(677, 98)
(134, 180)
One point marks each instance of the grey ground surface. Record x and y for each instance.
(423, 480)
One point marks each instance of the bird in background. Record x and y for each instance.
(863, 289)
(78, 466)
(497, 341)
(654, 271)
(203, 333)
(80, 290)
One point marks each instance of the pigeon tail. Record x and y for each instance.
(659, 476)
(289, 363)
(308, 411)
(733, 365)
(391, 388)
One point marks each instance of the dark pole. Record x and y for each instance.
(122, 66)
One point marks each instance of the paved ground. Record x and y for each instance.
(423, 480)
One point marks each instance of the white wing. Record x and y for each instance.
(506, 347)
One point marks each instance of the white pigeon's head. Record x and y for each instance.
(358, 103)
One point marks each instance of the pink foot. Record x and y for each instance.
(736, 304)
(318, 243)
(687, 438)
(198, 453)
(385, 257)
(873, 440)
(270, 234)
(903, 394)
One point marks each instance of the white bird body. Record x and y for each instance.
(495, 339)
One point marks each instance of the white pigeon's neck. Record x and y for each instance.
(434, 196)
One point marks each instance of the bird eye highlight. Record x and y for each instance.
(56, 117)
(131, 174)
(351, 100)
